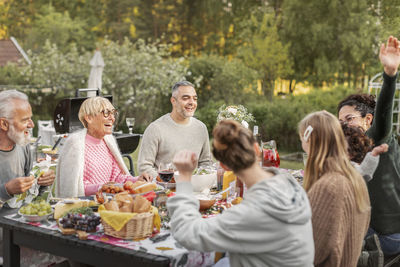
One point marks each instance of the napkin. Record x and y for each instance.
(27, 197)
(117, 220)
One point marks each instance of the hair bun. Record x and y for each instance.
(227, 133)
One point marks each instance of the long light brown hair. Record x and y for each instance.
(328, 153)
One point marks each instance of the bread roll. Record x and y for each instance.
(145, 187)
(141, 205)
(112, 205)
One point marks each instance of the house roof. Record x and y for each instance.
(10, 51)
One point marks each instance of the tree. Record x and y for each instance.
(218, 78)
(56, 27)
(140, 76)
(330, 41)
(263, 51)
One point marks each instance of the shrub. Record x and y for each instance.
(278, 119)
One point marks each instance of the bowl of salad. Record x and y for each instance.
(203, 178)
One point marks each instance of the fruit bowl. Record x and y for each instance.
(35, 218)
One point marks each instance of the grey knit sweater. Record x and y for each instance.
(164, 137)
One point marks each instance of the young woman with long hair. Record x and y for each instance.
(338, 194)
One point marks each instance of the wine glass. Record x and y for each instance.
(130, 122)
(165, 172)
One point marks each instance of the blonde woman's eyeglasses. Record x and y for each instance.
(107, 113)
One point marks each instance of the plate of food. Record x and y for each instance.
(36, 211)
(166, 185)
(133, 188)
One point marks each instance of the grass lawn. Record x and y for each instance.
(294, 165)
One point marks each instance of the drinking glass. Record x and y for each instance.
(305, 157)
(270, 154)
(166, 172)
(130, 122)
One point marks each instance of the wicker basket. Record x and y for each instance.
(139, 226)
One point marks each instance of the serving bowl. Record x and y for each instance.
(205, 204)
(167, 185)
(200, 182)
(35, 218)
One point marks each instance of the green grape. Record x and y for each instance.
(41, 213)
(36, 208)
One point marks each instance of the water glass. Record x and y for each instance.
(305, 158)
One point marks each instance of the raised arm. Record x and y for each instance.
(389, 56)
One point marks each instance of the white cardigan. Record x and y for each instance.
(69, 174)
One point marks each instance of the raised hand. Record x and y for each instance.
(19, 185)
(379, 150)
(185, 161)
(389, 56)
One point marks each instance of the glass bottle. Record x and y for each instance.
(257, 137)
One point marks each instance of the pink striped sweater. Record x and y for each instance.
(100, 166)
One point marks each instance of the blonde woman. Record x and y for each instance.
(338, 194)
(91, 157)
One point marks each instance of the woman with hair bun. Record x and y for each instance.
(270, 227)
(337, 192)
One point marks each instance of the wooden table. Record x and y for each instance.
(91, 252)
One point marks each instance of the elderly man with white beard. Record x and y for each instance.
(15, 158)
(16, 161)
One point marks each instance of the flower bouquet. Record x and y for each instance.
(238, 113)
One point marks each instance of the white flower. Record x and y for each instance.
(238, 113)
(232, 110)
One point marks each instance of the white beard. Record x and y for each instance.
(18, 137)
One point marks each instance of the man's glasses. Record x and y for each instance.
(349, 119)
(107, 113)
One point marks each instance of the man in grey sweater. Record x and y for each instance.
(15, 158)
(173, 132)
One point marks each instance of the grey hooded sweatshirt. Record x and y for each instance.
(271, 227)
